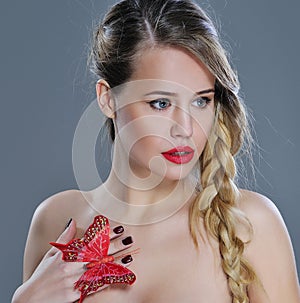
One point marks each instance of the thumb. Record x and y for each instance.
(67, 235)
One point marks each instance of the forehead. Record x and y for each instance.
(173, 65)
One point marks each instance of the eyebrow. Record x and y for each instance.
(165, 93)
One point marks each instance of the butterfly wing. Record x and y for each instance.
(101, 274)
(70, 250)
(92, 247)
(96, 238)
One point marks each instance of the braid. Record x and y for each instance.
(217, 205)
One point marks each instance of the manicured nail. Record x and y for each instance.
(127, 240)
(119, 229)
(68, 224)
(126, 259)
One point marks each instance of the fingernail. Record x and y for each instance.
(127, 240)
(68, 224)
(119, 229)
(126, 259)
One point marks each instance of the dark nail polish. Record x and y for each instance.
(119, 229)
(68, 224)
(127, 240)
(126, 259)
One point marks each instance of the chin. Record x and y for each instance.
(162, 169)
(176, 173)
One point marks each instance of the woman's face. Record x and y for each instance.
(164, 114)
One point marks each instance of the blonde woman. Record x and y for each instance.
(177, 123)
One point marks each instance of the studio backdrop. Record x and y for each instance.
(46, 86)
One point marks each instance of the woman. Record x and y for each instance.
(174, 114)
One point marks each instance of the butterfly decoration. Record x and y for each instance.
(93, 248)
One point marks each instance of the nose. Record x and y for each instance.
(182, 123)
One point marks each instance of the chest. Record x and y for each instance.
(176, 272)
(169, 268)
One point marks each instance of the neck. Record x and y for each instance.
(135, 185)
(139, 207)
(136, 198)
(139, 192)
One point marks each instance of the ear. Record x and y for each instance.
(104, 98)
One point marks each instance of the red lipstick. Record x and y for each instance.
(179, 155)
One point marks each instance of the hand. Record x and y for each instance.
(53, 280)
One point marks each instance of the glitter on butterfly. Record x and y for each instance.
(93, 248)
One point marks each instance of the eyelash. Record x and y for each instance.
(157, 101)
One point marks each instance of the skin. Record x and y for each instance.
(168, 266)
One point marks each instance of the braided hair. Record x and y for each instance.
(132, 26)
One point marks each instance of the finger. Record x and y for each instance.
(116, 232)
(67, 235)
(120, 244)
(124, 260)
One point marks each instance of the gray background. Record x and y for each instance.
(45, 88)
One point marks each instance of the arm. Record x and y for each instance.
(52, 279)
(270, 252)
(46, 277)
(48, 222)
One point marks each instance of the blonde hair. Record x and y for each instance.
(216, 204)
(133, 25)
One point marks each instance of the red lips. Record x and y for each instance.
(179, 155)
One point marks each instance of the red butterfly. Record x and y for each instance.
(93, 248)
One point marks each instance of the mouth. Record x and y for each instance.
(179, 155)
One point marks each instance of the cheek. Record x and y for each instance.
(146, 153)
(141, 130)
(201, 130)
(146, 147)
(199, 141)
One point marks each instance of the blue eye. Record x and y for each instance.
(160, 104)
(201, 102)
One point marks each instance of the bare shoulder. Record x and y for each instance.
(268, 225)
(48, 222)
(270, 250)
(59, 207)
(52, 215)
(260, 209)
